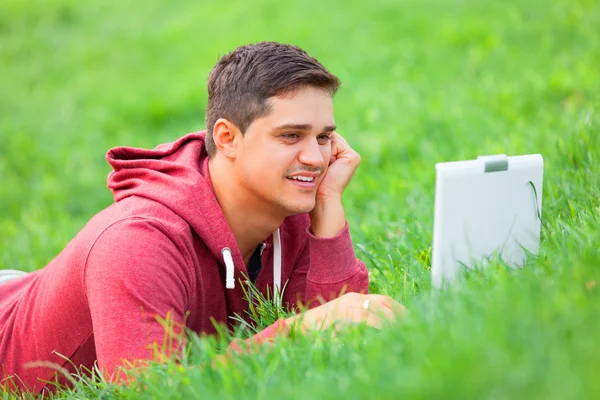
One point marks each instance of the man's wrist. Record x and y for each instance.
(327, 218)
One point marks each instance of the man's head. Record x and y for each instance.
(270, 117)
(243, 81)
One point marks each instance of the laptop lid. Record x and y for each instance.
(484, 208)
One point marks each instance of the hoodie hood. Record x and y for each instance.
(176, 175)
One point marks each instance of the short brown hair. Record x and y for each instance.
(241, 83)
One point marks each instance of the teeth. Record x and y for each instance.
(303, 178)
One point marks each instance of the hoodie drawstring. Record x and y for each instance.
(277, 267)
(230, 267)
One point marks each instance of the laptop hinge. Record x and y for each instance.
(494, 163)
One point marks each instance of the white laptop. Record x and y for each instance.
(489, 207)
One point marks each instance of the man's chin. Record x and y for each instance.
(299, 208)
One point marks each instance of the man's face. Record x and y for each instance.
(283, 157)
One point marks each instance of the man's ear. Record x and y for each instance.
(225, 134)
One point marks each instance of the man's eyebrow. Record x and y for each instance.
(299, 127)
(304, 127)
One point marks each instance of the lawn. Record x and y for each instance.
(422, 82)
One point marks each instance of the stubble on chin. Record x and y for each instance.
(295, 208)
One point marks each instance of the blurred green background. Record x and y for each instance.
(422, 82)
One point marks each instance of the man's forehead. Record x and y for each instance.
(307, 107)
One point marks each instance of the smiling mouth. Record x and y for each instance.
(302, 178)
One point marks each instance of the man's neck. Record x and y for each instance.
(249, 218)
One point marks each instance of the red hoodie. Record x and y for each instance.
(156, 250)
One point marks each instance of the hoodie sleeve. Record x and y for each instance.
(326, 268)
(137, 287)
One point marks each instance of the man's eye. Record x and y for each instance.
(291, 135)
(324, 139)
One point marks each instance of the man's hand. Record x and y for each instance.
(344, 161)
(327, 218)
(351, 308)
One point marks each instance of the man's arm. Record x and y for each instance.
(134, 274)
(326, 268)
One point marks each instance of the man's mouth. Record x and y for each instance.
(302, 178)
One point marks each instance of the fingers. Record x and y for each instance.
(390, 303)
(398, 309)
(340, 147)
(336, 147)
(373, 309)
(381, 313)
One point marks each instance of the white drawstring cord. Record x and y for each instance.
(229, 268)
(277, 266)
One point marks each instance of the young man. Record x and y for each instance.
(258, 194)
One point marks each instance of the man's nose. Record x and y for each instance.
(310, 154)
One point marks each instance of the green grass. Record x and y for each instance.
(423, 82)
